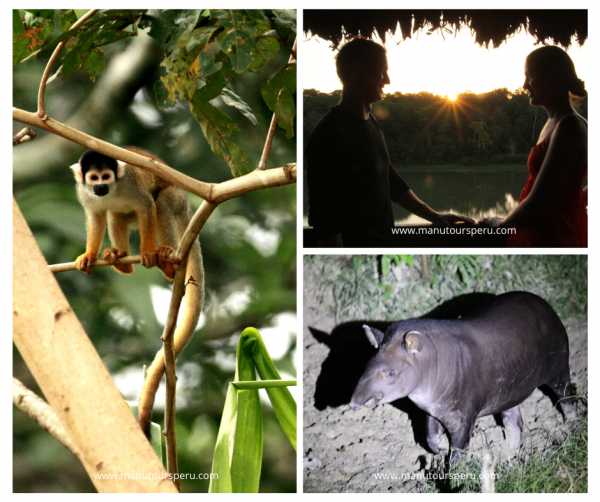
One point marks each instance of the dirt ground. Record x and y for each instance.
(346, 451)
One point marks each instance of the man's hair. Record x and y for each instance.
(358, 50)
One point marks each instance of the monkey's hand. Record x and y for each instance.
(84, 262)
(165, 260)
(111, 255)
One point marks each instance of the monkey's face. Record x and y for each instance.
(97, 174)
(100, 180)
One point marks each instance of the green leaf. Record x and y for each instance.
(385, 266)
(278, 94)
(29, 36)
(206, 60)
(221, 483)
(248, 447)
(232, 99)
(237, 39)
(67, 19)
(169, 25)
(43, 13)
(281, 399)
(95, 63)
(285, 23)
(215, 127)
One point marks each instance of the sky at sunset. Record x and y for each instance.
(430, 63)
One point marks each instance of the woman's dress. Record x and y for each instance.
(564, 222)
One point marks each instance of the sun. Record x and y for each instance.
(452, 96)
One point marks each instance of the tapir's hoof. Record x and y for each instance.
(355, 407)
(513, 437)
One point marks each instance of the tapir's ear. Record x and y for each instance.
(374, 336)
(413, 342)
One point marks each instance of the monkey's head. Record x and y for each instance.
(98, 172)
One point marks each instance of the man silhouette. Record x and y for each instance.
(351, 182)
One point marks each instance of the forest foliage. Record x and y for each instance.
(496, 127)
(244, 238)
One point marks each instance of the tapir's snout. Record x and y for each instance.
(354, 402)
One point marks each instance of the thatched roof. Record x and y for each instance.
(555, 27)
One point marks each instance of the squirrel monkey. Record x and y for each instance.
(124, 195)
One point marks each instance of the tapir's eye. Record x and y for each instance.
(390, 374)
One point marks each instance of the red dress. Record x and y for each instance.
(564, 222)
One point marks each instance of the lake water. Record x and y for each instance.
(473, 194)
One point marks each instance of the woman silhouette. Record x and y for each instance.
(552, 208)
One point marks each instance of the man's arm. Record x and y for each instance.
(412, 203)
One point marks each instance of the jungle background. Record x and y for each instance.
(474, 130)
(248, 244)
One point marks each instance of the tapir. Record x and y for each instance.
(458, 370)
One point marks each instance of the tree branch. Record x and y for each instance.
(38, 409)
(168, 173)
(74, 379)
(25, 134)
(41, 109)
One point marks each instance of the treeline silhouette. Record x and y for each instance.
(497, 127)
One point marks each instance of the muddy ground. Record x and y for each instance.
(345, 451)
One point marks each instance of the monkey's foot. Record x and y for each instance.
(148, 257)
(165, 260)
(111, 255)
(84, 262)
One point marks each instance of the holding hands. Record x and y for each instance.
(493, 222)
(448, 219)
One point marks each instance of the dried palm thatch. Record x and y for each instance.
(557, 27)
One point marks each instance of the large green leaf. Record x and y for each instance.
(216, 126)
(246, 461)
(281, 398)
(279, 96)
(237, 39)
(30, 33)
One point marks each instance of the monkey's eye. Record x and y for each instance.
(94, 177)
(105, 177)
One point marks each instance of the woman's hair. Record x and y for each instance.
(551, 59)
(358, 50)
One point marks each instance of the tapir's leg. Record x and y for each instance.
(513, 426)
(564, 390)
(460, 435)
(435, 429)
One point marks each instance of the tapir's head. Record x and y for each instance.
(394, 372)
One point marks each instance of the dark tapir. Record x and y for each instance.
(458, 370)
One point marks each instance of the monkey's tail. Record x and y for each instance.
(192, 306)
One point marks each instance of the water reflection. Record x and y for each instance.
(473, 194)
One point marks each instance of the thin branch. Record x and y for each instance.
(41, 109)
(167, 173)
(38, 409)
(171, 376)
(253, 181)
(65, 267)
(267, 149)
(25, 134)
(193, 229)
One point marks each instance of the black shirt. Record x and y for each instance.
(351, 181)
